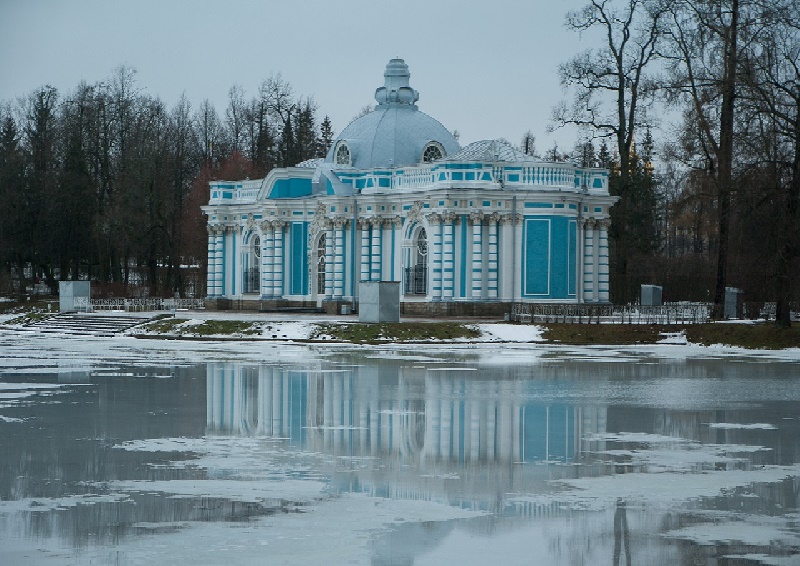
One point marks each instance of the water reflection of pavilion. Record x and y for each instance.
(409, 413)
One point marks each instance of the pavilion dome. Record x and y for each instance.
(395, 133)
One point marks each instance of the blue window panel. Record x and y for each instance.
(299, 265)
(597, 184)
(458, 176)
(538, 205)
(487, 203)
(513, 178)
(369, 208)
(573, 207)
(297, 213)
(406, 207)
(598, 209)
(441, 203)
(537, 257)
(426, 205)
(470, 176)
(384, 183)
(486, 176)
(455, 203)
(333, 209)
(259, 216)
(559, 205)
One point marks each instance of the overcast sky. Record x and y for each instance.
(487, 69)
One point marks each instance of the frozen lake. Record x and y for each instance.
(124, 451)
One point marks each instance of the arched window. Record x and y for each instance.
(342, 154)
(432, 152)
(417, 272)
(321, 265)
(251, 282)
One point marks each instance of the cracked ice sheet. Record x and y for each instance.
(51, 353)
(342, 527)
(751, 530)
(297, 491)
(660, 489)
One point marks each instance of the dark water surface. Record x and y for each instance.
(362, 457)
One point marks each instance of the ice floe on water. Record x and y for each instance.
(738, 426)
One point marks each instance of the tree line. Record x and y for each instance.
(106, 181)
(722, 208)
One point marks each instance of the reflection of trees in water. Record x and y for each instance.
(622, 535)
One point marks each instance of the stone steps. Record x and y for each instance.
(100, 325)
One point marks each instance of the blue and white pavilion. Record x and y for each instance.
(466, 230)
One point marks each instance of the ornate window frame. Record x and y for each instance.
(342, 155)
(433, 151)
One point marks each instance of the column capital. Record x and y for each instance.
(340, 222)
(476, 217)
(363, 223)
(449, 217)
(433, 218)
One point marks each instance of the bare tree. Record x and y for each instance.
(771, 90)
(612, 87)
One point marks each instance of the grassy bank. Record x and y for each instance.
(395, 332)
(754, 336)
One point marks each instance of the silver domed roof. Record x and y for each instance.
(395, 133)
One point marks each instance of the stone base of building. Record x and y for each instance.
(441, 308)
(345, 307)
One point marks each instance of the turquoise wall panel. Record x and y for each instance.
(537, 257)
(298, 283)
(290, 188)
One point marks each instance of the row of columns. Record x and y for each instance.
(222, 259)
(443, 259)
(595, 260)
(334, 258)
(375, 241)
(376, 232)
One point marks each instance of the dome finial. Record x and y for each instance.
(396, 90)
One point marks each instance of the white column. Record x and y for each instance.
(365, 249)
(516, 224)
(506, 259)
(219, 265)
(329, 260)
(579, 254)
(338, 266)
(435, 267)
(448, 265)
(589, 278)
(375, 255)
(277, 281)
(492, 258)
(267, 258)
(212, 259)
(477, 255)
(602, 264)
